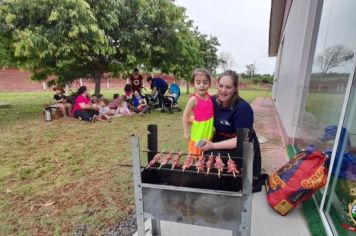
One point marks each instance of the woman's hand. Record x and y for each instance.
(186, 136)
(94, 106)
(208, 146)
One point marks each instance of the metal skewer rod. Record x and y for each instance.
(219, 168)
(185, 154)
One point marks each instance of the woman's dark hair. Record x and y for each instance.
(81, 90)
(128, 88)
(235, 79)
(116, 95)
(201, 71)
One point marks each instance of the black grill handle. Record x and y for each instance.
(152, 140)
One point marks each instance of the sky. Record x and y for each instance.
(241, 27)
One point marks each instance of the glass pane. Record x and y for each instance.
(333, 63)
(340, 205)
(330, 73)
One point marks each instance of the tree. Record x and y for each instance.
(332, 57)
(54, 37)
(251, 69)
(71, 39)
(208, 49)
(226, 61)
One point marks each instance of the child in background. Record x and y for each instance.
(114, 104)
(104, 110)
(123, 108)
(60, 101)
(128, 92)
(93, 99)
(140, 105)
(201, 105)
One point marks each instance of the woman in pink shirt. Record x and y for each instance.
(82, 108)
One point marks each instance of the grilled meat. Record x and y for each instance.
(219, 164)
(176, 159)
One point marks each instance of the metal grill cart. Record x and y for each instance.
(190, 197)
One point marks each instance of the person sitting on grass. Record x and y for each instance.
(104, 110)
(93, 99)
(123, 108)
(128, 91)
(83, 109)
(115, 102)
(139, 103)
(60, 101)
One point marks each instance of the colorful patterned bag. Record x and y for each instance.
(296, 181)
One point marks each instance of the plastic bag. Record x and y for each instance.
(296, 181)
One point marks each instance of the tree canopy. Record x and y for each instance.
(85, 38)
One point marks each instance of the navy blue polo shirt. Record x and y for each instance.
(159, 83)
(227, 120)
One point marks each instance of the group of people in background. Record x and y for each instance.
(158, 85)
(92, 108)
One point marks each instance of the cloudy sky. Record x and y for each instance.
(241, 27)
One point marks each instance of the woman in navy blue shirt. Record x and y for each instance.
(158, 85)
(231, 112)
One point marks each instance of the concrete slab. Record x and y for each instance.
(265, 221)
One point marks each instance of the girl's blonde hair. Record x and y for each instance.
(201, 71)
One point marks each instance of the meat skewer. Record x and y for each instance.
(219, 164)
(155, 159)
(209, 163)
(188, 162)
(200, 163)
(165, 160)
(176, 159)
(231, 167)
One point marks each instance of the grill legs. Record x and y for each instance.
(156, 227)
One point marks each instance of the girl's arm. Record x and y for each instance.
(186, 116)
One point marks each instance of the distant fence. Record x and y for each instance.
(17, 80)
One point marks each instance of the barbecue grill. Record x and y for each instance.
(189, 197)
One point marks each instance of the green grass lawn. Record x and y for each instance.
(60, 175)
(325, 107)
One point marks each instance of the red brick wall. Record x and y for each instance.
(17, 80)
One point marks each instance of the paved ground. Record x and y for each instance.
(265, 221)
(274, 153)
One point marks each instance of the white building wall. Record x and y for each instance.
(293, 64)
